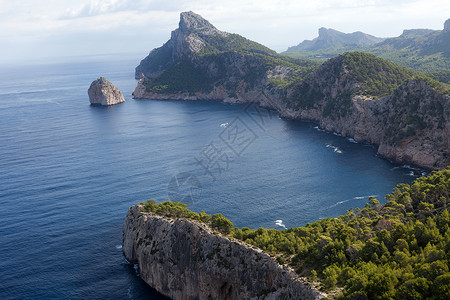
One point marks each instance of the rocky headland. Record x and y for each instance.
(355, 94)
(184, 259)
(103, 92)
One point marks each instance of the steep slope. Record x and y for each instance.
(184, 259)
(356, 94)
(372, 100)
(423, 50)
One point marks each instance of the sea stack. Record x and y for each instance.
(447, 26)
(103, 92)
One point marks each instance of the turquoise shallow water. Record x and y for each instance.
(70, 171)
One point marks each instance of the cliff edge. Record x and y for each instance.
(185, 259)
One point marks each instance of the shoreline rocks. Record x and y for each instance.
(103, 92)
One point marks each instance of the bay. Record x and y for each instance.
(70, 171)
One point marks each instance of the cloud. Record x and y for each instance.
(145, 24)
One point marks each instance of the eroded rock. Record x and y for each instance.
(103, 92)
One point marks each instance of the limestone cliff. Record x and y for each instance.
(103, 92)
(184, 259)
(356, 94)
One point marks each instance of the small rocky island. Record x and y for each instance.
(103, 92)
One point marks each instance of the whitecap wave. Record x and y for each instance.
(335, 149)
(118, 247)
(338, 203)
(352, 141)
(318, 129)
(280, 223)
(224, 125)
(337, 134)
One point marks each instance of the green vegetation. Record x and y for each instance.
(399, 250)
(203, 72)
(426, 51)
(375, 76)
(179, 210)
(217, 43)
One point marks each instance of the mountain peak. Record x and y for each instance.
(190, 21)
(331, 38)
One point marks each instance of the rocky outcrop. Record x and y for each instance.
(184, 259)
(103, 92)
(447, 26)
(190, 37)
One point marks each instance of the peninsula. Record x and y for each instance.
(356, 94)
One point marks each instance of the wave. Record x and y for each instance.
(318, 129)
(413, 172)
(335, 149)
(337, 134)
(352, 141)
(339, 203)
(224, 125)
(364, 197)
(119, 247)
(280, 223)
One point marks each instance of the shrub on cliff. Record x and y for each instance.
(221, 223)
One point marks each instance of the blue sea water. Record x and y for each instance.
(70, 171)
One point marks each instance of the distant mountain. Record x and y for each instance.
(356, 94)
(330, 38)
(423, 50)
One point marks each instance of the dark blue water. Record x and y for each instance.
(70, 171)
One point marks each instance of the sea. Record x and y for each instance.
(70, 171)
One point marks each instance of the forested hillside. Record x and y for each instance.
(399, 250)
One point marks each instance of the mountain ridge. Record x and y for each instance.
(329, 37)
(424, 50)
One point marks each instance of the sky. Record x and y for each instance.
(38, 30)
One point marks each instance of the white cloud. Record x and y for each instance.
(60, 27)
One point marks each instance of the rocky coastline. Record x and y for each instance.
(185, 259)
(410, 124)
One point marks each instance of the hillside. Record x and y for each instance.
(210, 57)
(355, 94)
(423, 50)
(393, 251)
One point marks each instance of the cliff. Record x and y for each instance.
(356, 94)
(103, 92)
(184, 259)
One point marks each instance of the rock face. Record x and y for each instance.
(447, 26)
(199, 62)
(103, 92)
(184, 259)
(410, 126)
